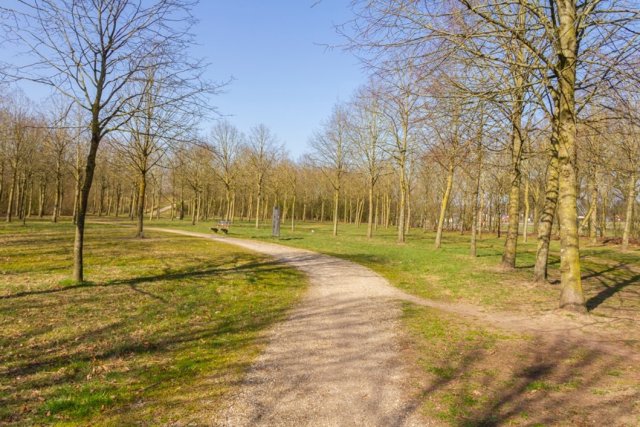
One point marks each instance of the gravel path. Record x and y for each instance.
(335, 361)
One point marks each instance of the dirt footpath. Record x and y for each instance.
(336, 360)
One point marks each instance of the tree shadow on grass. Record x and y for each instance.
(48, 368)
(605, 282)
(189, 273)
(530, 382)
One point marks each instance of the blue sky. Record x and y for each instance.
(284, 76)
(276, 51)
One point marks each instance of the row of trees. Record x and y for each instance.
(476, 114)
(459, 183)
(557, 70)
(118, 67)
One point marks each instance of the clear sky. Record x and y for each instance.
(276, 52)
(284, 75)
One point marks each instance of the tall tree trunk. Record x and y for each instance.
(304, 209)
(198, 206)
(476, 196)
(56, 203)
(142, 191)
(101, 199)
(511, 243)
(118, 199)
(336, 201)
(571, 297)
(376, 215)
(12, 190)
(631, 199)
(370, 213)
(444, 204)
(41, 199)
(258, 200)
(83, 202)
(545, 225)
(402, 206)
(293, 213)
(593, 222)
(525, 228)
(181, 217)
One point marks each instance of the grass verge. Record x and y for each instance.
(165, 327)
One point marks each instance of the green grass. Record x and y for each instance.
(164, 328)
(474, 375)
(450, 274)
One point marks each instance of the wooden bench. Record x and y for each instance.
(222, 226)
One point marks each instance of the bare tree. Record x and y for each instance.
(331, 153)
(227, 143)
(263, 151)
(91, 52)
(403, 109)
(366, 129)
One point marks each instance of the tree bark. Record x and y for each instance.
(571, 297)
(593, 223)
(402, 206)
(631, 198)
(444, 204)
(336, 201)
(142, 191)
(545, 224)
(525, 228)
(78, 244)
(12, 190)
(513, 210)
(476, 196)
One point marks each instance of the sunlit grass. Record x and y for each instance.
(163, 328)
(449, 273)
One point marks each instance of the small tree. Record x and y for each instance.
(91, 52)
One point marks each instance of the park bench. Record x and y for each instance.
(222, 226)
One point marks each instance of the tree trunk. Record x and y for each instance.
(376, 217)
(593, 223)
(258, 200)
(545, 224)
(571, 297)
(293, 213)
(41, 199)
(513, 211)
(370, 213)
(631, 198)
(336, 201)
(78, 244)
(476, 197)
(402, 207)
(444, 204)
(525, 228)
(56, 203)
(142, 190)
(12, 190)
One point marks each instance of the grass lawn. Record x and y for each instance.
(471, 374)
(165, 327)
(611, 278)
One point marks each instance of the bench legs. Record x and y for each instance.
(216, 229)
